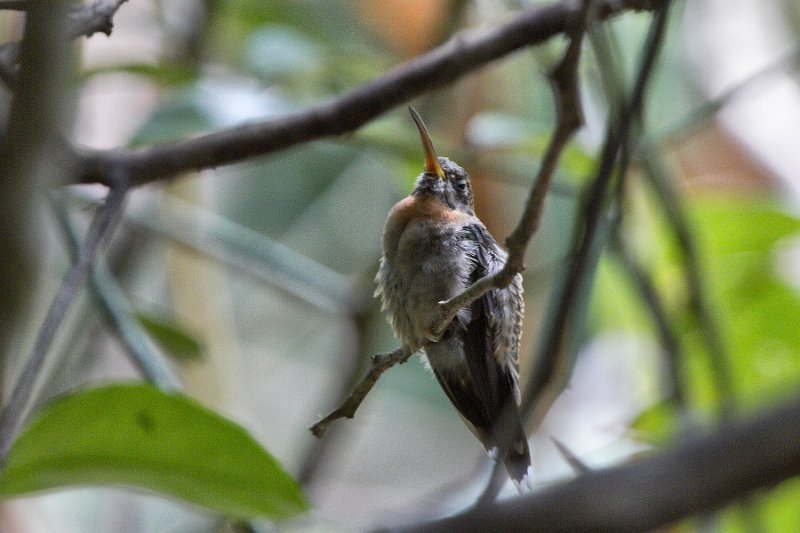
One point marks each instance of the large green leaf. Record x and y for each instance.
(139, 436)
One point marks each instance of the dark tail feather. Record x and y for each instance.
(511, 445)
(517, 461)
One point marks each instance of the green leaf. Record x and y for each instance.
(277, 52)
(178, 117)
(171, 337)
(139, 436)
(756, 309)
(615, 304)
(165, 74)
(657, 423)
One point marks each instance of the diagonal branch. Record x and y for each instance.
(670, 344)
(118, 310)
(571, 458)
(564, 80)
(548, 357)
(103, 224)
(698, 300)
(441, 66)
(380, 364)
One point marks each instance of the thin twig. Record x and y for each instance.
(549, 353)
(564, 82)
(347, 377)
(246, 250)
(649, 295)
(569, 456)
(15, 409)
(441, 66)
(698, 305)
(704, 112)
(119, 311)
(380, 364)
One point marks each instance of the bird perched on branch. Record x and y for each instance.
(434, 247)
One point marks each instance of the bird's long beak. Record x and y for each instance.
(432, 165)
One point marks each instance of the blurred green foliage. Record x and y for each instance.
(740, 239)
(173, 339)
(757, 307)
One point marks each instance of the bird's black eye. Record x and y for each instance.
(461, 185)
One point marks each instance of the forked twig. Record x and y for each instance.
(380, 363)
(564, 83)
(564, 80)
(565, 88)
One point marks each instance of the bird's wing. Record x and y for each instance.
(487, 381)
(484, 388)
(502, 308)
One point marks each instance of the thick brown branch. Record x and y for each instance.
(380, 364)
(696, 475)
(441, 66)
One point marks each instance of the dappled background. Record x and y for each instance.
(255, 280)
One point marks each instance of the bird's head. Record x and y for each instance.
(441, 178)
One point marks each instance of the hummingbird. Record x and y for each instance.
(434, 247)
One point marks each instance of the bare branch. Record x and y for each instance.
(549, 353)
(569, 456)
(380, 364)
(696, 475)
(96, 17)
(353, 364)
(102, 226)
(464, 53)
(652, 300)
(118, 309)
(564, 81)
(698, 305)
(82, 21)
